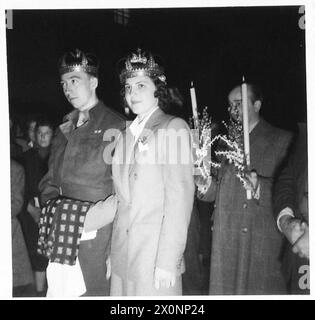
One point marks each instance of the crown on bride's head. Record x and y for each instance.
(141, 63)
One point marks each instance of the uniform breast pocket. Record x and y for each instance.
(91, 147)
(93, 140)
(89, 160)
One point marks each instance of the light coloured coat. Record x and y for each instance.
(155, 198)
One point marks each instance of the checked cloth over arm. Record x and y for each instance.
(60, 229)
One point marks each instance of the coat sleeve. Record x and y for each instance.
(178, 196)
(285, 191)
(17, 188)
(286, 187)
(96, 217)
(267, 183)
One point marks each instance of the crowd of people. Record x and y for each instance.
(101, 206)
(29, 163)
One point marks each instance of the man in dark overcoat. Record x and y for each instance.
(246, 243)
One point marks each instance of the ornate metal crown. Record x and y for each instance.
(141, 63)
(78, 61)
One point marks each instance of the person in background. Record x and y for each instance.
(192, 278)
(246, 243)
(35, 162)
(27, 140)
(291, 213)
(21, 267)
(31, 137)
(15, 148)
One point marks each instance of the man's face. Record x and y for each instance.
(43, 136)
(235, 104)
(31, 131)
(78, 88)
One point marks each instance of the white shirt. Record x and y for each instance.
(137, 125)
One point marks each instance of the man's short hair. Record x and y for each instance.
(255, 92)
(44, 123)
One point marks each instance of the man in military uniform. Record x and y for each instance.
(79, 166)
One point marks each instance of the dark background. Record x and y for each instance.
(214, 47)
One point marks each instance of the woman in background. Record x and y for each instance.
(35, 162)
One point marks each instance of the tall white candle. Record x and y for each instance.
(194, 104)
(246, 128)
(209, 153)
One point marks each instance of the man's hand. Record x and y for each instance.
(33, 211)
(202, 183)
(163, 278)
(251, 181)
(301, 246)
(291, 228)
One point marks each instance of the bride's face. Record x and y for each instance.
(139, 94)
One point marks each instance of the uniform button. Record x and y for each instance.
(245, 205)
(244, 230)
(135, 176)
(211, 228)
(127, 231)
(214, 206)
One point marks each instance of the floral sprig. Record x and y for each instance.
(235, 144)
(202, 143)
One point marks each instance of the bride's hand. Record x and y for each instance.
(163, 278)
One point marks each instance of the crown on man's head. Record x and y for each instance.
(78, 61)
(141, 63)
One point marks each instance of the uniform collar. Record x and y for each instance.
(71, 119)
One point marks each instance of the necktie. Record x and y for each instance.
(83, 117)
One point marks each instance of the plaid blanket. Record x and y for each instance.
(60, 229)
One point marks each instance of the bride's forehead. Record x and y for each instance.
(140, 78)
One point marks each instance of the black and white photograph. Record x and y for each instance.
(156, 149)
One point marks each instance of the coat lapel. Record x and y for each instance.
(147, 133)
(128, 149)
(68, 126)
(122, 158)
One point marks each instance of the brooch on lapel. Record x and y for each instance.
(97, 131)
(142, 144)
